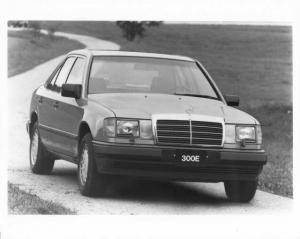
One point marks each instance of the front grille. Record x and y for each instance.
(189, 132)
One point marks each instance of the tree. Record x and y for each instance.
(36, 28)
(131, 29)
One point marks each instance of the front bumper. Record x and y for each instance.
(161, 162)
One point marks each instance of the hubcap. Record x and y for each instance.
(84, 163)
(34, 147)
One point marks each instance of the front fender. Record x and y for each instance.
(33, 108)
(94, 116)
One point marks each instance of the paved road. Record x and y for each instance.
(126, 196)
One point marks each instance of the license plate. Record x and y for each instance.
(191, 157)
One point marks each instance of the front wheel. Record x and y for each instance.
(89, 180)
(240, 191)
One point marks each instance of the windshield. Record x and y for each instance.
(115, 74)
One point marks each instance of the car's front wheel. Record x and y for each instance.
(240, 191)
(90, 181)
(41, 162)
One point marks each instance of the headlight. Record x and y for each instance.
(259, 134)
(245, 133)
(128, 128)
(146, 129)
(109, 127)
(114, 127)
(238, 133)
(230, 134)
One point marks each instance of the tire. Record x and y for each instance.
(91, 183)
(240, 191)
(41, 161)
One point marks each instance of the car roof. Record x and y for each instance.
(97, 52)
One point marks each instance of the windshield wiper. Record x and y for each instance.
(196, 95)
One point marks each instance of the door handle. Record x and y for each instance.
(40, 100)
(55, 105)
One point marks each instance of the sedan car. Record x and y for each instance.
(145, 115)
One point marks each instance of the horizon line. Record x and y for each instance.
(248, 23)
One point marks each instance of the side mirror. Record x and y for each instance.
(71, 90)
(232, 100)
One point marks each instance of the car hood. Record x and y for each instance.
(145, 106)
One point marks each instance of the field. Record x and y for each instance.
(26, 50)
(254, 62)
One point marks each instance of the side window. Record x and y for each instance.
(64, 72)
(76, 74)
(51, 83)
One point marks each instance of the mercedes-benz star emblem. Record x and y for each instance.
(189, 110)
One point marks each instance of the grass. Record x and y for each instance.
(277, 176)
(25, 50)
(254, 62)
(21, 202)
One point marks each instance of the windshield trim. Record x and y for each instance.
(210, 81)
(148, 57)
(196, 95)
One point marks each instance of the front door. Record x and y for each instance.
(52, 137)
(69, 112)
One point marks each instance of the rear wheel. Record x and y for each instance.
(89, 180)
(240, 191)
(40, 160)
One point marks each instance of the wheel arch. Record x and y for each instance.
(84, 128)
(33, 119)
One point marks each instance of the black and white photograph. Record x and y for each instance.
(135, 120)
(152, 116)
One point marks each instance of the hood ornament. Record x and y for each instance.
(190, 110)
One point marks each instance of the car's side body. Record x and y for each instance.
(63, 121)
